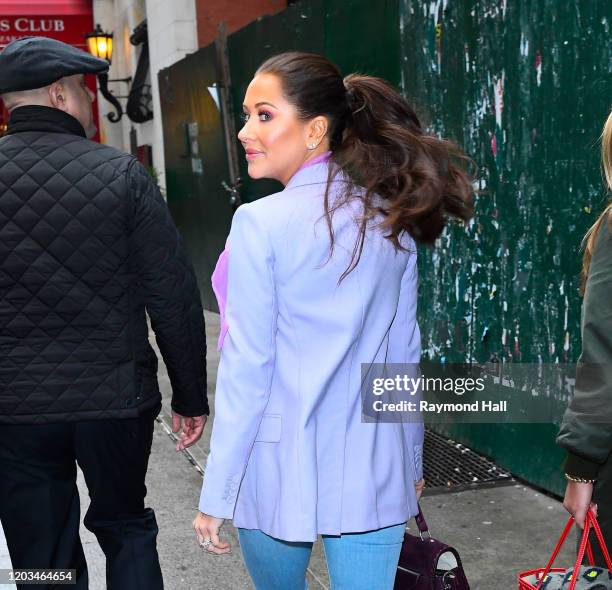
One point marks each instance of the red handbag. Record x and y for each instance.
(538, 575)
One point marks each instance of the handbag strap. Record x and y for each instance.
(602, 543)
(584, 541)
(580, 556)
(589, 551)
(585, 546)
(420, 521)
(564, 534)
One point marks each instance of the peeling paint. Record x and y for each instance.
(524, 45)
(529, 111)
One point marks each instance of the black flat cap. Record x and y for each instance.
(34, 62)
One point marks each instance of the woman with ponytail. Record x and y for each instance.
(322, 280)
(586, 431)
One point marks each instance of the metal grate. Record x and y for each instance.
(449, 465)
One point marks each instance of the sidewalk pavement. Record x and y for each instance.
(498, 531)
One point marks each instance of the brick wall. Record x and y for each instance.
(235, 13)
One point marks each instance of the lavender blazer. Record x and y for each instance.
(290, 454)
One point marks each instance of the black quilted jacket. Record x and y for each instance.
(86, 245)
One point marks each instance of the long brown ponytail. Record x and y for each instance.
(588, 243)
(377, 139)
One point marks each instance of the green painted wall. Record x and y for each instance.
(524, 86)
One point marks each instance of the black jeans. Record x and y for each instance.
(39, 500)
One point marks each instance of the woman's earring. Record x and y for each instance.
(312, 146)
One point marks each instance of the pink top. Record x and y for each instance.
(219, 275)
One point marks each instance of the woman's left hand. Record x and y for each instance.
(207, 534)
(577, 501)
(419, 486)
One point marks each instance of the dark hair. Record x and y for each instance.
(376, 138)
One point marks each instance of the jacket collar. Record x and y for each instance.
(39, 118)
(315, 174)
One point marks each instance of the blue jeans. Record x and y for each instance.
(356, 561)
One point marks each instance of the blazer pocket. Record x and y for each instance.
(269, 429)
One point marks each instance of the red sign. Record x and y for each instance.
(67, 21)
(69, 28)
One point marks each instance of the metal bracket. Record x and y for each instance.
(106, 93)
(126, 80)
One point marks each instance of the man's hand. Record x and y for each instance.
(192, 429)
(578, 500)
(419, 486)
(207, 534)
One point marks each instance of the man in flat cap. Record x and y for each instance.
(87, 248)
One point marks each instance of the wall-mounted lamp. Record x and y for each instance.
(100, 44)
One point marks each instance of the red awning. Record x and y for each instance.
(44, 7)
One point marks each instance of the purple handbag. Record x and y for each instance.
(427, 564)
